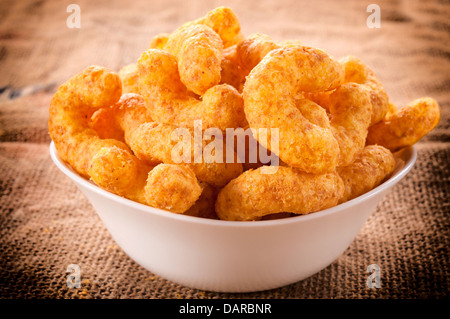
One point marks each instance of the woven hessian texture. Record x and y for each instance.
(47, 224)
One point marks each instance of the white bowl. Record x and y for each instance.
(233, 256)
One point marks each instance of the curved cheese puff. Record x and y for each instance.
(198, 50)
(407, 126)
(159, 41)
(231, 72)
(356, 71)
(170, 187)
(104, 123)
(247, 148)
(70, 110)
(129, 77)
(240, 59)
(350, 113)
(253, 194)
(154, 143)
(253, 49)
(204, 207)
(392, 110)
(121, 120)
(109, 162)
(370, 167)
(271, 95)
(169, 101)
(225, 23)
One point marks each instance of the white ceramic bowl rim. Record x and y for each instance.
(409, 154)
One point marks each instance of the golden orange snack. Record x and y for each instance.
(392, 110)
(169, 101)
(129, 77)
(71, 108)
(288, 190)
(370, 168)
(247, 148)
(198, 50)
(253, 49)
(356, 71)
(159, 41)
(204, 207)
(273, 99)
(171, 187)
(103, 121)
(109, 162)
(155, 143)
(350, 113)
(238, 60)
(225, 23)
(231, 72)
(406, 126)
(160, 131)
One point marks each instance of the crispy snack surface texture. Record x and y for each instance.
(70, 108)
(350, 113)
(129, 77)
(406, 126)
(371, 167)
(289, 190)
(154, 142)
(198, 50)
(109, 162)
(159, 41)
(356, 71)
(169, 101)
(192, 126)
(225, 23)
(273, 99)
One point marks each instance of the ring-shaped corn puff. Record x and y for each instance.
(356, 71)
(369, 169)
(406, 126)
(198, 50)
(170, 102)
(254, 194)
(271, 97)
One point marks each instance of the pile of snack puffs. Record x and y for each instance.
(330, 122)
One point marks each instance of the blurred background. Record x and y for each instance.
(45, 223)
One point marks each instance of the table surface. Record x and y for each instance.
(47, 224)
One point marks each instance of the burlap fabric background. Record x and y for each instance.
(47, 224)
